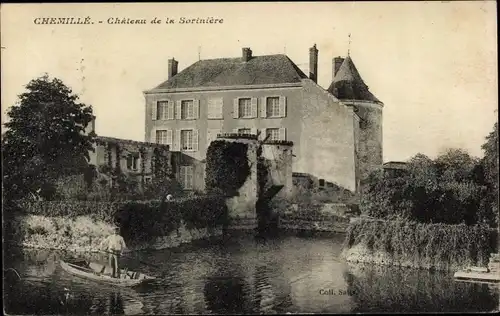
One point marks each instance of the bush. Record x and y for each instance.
(435, 245)
(99, 210)
(144, 221)
(448, 189)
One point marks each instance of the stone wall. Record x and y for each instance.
(327, 140)
(243, 205)
(370, 148)
(332, 217)
(278, 159)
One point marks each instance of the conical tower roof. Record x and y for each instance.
(348, 84)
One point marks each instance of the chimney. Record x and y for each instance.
(313, 63)
(246, 54)
(337, 62)
(172, 67)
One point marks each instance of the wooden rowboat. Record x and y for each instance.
(101, 273)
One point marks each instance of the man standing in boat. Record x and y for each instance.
(114, 245)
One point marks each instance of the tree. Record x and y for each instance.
(489, 163)
(448, 189)
(45, 138)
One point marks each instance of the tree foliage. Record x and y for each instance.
(44, 138)
(449, 189)
(490, 167)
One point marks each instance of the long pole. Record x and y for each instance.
(143, 262)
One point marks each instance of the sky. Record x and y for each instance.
(433, 64)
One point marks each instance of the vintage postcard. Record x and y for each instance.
(250, 158)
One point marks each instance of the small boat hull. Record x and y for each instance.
(100, 273)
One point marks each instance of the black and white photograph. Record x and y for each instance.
(250, 158)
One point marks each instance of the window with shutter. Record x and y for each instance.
(162, 110)
(188, 110)
(189, 139)
(245, 107)
(186, 175)
(245, 131)
(133, 161)
(273, 107)
(273, 134)
(189, 177)
(162, 136)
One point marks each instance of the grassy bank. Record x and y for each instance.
(82, 225)
(80, 233)
(418, 245)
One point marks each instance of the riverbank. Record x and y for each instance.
(84, 234)
(417, 245)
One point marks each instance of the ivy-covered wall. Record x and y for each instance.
(231, 171)
(123, 169)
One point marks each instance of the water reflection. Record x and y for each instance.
(243, 275)
(225, 295)
(389, 289)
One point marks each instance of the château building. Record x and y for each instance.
(336, 132)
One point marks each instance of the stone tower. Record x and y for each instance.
(349, 87)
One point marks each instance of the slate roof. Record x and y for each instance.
(268, 69)
(348, 84)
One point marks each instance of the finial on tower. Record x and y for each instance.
(349, 45)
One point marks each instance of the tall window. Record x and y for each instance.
(187, 109)
(162, 110)
(133, 162)
(244, 131)
(186, 177)
(245, 107)
(187, 140)
(273, 133)
(273, 107)
(164, 137)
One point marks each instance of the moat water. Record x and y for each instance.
(286, 274)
